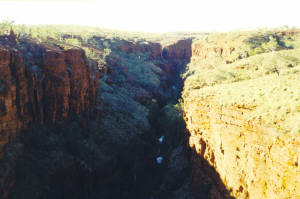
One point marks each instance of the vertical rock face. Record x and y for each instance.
(13, 94)
(43, 84)
(253, 160)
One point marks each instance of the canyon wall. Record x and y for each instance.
(40, 84)
(253, 158)
(154, 49)
(43, 84)
(179, 50)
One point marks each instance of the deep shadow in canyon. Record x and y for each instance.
(89, 159)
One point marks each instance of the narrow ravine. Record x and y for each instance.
(176, 174)
(170, 143)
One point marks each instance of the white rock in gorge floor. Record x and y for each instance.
(161, 139)
(159, 160)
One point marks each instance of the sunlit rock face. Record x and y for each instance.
(202, 50)
(252, 158)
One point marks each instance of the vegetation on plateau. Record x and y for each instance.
(257, 70)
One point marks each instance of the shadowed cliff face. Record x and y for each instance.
(205, 180)
(181, 49)
(42, 84)
(85, 136)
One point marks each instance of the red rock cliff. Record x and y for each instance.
(253, 158)
(43, 84)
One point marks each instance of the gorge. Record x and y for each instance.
(82, 118)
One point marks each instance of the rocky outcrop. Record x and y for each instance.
(43, 84)
(221, 48)
(202, 50)
(253, 160)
